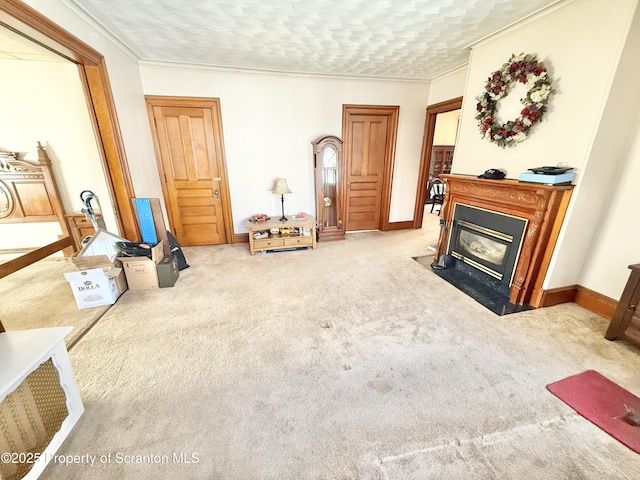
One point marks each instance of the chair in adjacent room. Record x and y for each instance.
(436, 191)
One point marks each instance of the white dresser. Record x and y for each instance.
(39, 399)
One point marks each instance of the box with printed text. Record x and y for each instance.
(97, 286)
(141, 272)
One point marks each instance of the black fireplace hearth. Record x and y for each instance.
(484, 289)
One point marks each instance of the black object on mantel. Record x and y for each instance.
(550, 170)
(493, 174)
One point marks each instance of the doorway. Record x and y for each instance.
(369, 133)
(47, 285)
(187, 137)
(30, 24)
(427, 149)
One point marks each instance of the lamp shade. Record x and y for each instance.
(281, 187)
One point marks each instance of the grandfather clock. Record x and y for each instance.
(327, 158)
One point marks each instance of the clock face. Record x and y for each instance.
(329, 157)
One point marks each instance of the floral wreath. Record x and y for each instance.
(520, 68)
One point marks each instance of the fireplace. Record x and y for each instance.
(488, 241)
(502, 232)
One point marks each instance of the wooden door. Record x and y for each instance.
(369, 134)
(189, 149)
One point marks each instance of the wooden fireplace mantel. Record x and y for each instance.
(544, 206)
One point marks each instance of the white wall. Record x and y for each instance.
(44, 101)
(616, 154)
(581, 64)
(616, 246)
(446, 128)
(270, 120)
(582, 61)
(448, 86)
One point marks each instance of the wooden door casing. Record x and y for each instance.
(369, 134)
(425, 157)
(189, 149)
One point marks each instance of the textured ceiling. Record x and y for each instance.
(401, 39)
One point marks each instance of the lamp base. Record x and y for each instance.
(282, 218)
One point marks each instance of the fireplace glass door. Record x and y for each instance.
(488, 241)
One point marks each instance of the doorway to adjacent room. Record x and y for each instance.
(427, 153)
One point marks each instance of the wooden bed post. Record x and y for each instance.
(54, 194)
(40, 202)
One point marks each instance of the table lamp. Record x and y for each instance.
(281, 188)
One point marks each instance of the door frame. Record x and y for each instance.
(425, 156)
(29, 23)
(218, 137)
(391, 111)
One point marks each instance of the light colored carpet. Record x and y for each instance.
(349, 362)
(39, 296)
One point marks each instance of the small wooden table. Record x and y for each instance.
(80, 227)
(305, 236)
(625, 324)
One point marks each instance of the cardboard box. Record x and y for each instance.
(97, 286)
(168, 272)
(99, 252)
(141, 272)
